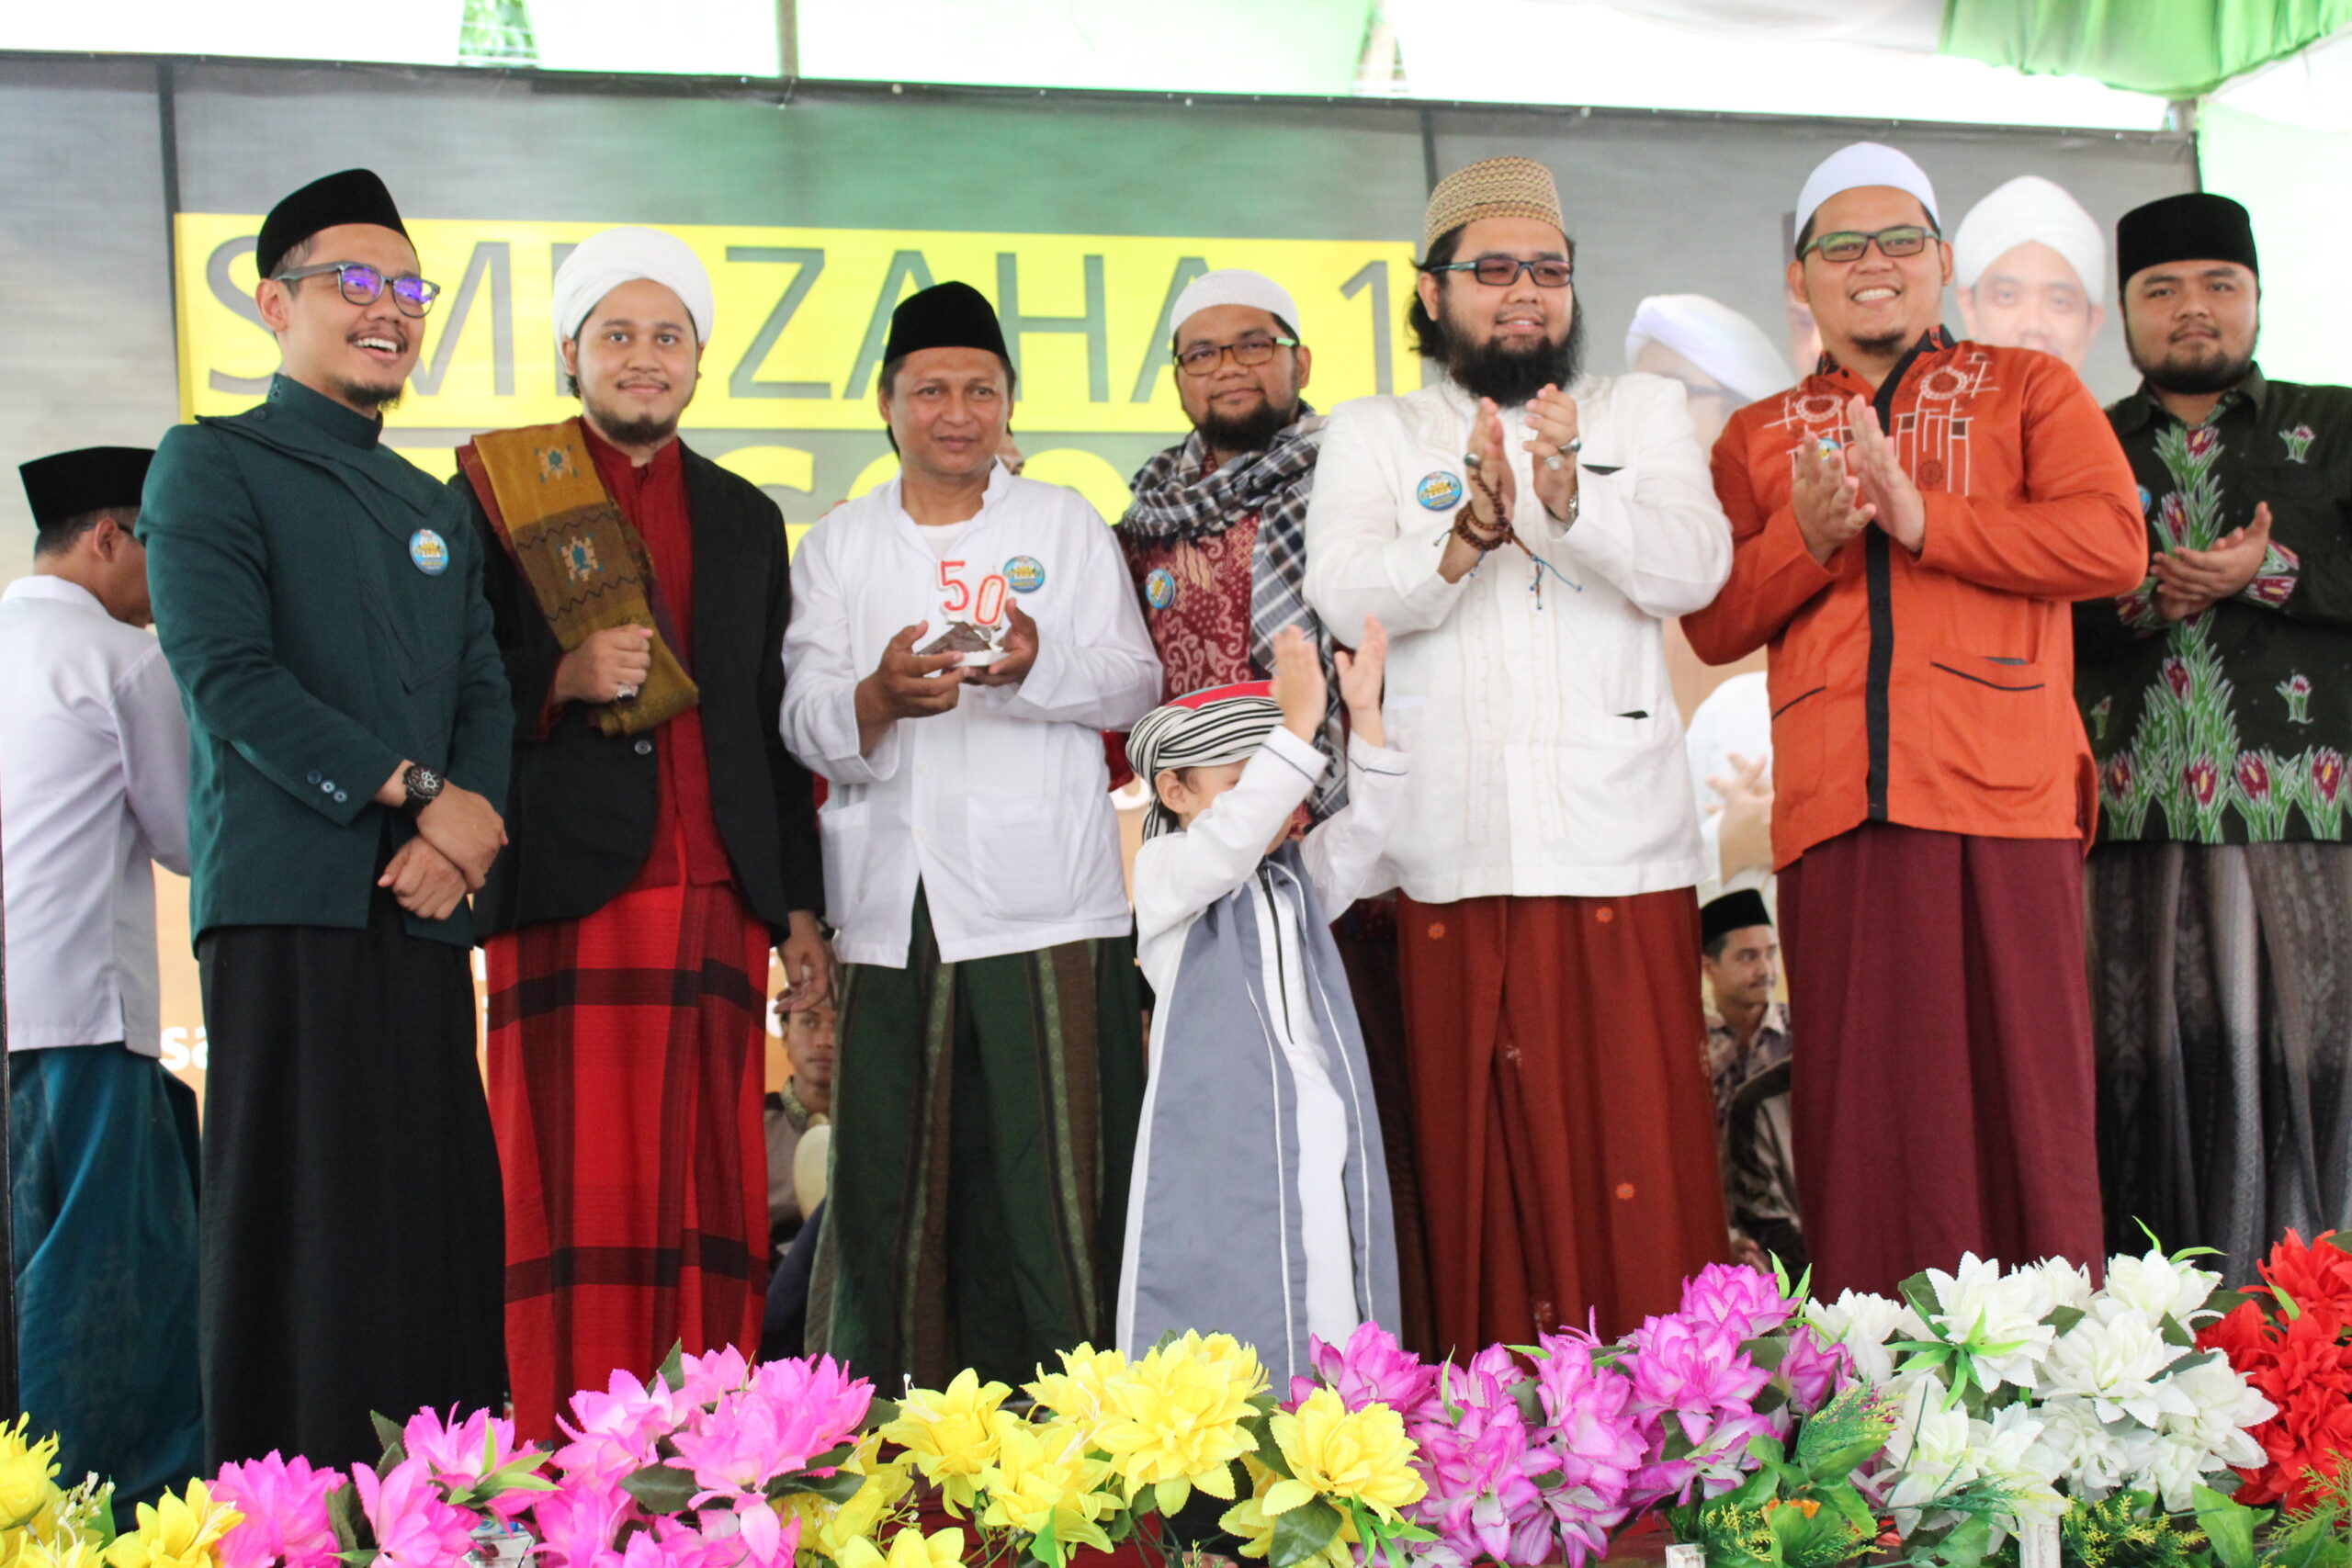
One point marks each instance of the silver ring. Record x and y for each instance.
(626, 695)
(1576, 444)
(1555, 462)
(1472, 461)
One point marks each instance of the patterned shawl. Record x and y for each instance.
(1175, 500)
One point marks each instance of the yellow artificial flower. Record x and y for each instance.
(76, 1553)
(910, 1549)
(28, 1475)
(1348, 1456)
(1076, 1393)
(830, 1529)
(1174, 1419)
(1046, 1476)
(177, 1532)
(948, 1433)
(1248, 1519)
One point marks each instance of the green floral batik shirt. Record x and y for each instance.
(2233, 725)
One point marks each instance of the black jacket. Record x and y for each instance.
(580, 808)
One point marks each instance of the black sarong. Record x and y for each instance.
(352, 1234)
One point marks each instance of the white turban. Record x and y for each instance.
(1715, 337)
(2030, 207)
(604, 261)
(1232, 286)
(1863, 164)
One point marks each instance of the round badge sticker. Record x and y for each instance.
(1159, 588)
(1439, 491)
(1024, 574)
(2146, 501)
(429, 551)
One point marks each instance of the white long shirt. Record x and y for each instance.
(1551, 752)
(1000, 808)
(1735, 718)
(1178, 878)
(92, 789)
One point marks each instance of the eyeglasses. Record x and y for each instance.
(1202, 359)
(1501, 272)
(1846, 245)
(364, 284)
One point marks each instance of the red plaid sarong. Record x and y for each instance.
(626, 1062)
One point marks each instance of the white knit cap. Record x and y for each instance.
(1712, 336)
(2031, 208)
(1864, 163)
(604, 261)
(1232, 286)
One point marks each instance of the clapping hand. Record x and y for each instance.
(1299, 688)
(2189, 582)
(1360, 676)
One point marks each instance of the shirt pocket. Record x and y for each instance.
(1991, 717)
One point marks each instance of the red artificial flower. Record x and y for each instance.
(2296, 1351)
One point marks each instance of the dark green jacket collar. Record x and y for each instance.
(2142, 406)
(343, 425)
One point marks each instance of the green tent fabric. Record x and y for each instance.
(2175, 47)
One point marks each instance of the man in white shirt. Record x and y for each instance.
(959, 638)
(1521, 533)
(93, 788)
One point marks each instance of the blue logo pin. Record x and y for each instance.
(1439, 491)
(1159, 588)
(429, 551)
(1024, 574)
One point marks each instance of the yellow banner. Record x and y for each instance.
(802, 315)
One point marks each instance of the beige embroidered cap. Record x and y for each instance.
(1493, 188)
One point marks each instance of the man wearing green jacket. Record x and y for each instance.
(319, 601)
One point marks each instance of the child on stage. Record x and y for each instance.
(1260, 1203)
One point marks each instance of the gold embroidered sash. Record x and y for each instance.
(588, 569)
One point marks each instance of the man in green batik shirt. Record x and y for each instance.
(2219, 699)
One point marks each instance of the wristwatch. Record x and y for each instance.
(423, 787)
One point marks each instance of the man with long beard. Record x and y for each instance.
(1520, 531)
(1217, 541)
(319, 599)
(663, 841)
(1911, 523)
(2219, 693)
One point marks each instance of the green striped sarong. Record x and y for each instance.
(984, 1124)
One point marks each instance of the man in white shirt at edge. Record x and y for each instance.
(94, 769)
(990, 1063)
(1547, 845)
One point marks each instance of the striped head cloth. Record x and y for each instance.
(1199, 729)
(1494, 188)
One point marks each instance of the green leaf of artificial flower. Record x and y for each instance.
(661, 1488)
(2229, 1525)
(1301, 1532)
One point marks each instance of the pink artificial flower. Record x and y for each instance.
(414, 1526)
(576, 1522)
(793, 1412)
(1373, 1369)
(1480, 1464)
(1812, 1368)
(1596, 1440)
(709, 1376)
(1696, 1376)
(1745, 1300)
(458, 1454)
(821, 1392)
(285, 1507)
(617, 1429)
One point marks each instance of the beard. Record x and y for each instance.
(1511, 374)
(1251, 431)
(2193, 377)
(372, 395)
(646, 430)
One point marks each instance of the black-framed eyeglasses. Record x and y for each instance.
(1848, 244)
(364, 284)
(1202, 359)
(1501, 272)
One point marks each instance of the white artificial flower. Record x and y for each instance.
(1995, 1318)
(2091, 1456)
(2008, 1452)
(2159, 1287)
(2116, 1358)
(1864, 1323)
(2067, 1284)
(1929, 1448)
(2223, 1407)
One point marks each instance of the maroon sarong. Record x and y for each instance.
(1565, 1128)
(1941, 1088)
(626, 1063)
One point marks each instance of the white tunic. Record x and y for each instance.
(93, 788)
(1551, 751)
(1178, 876)
(1000, 808)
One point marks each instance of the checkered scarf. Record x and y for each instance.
(1175, 500)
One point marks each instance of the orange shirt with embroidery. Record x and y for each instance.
(1935, 691)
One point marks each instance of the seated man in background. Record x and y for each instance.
(1747, 1062)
